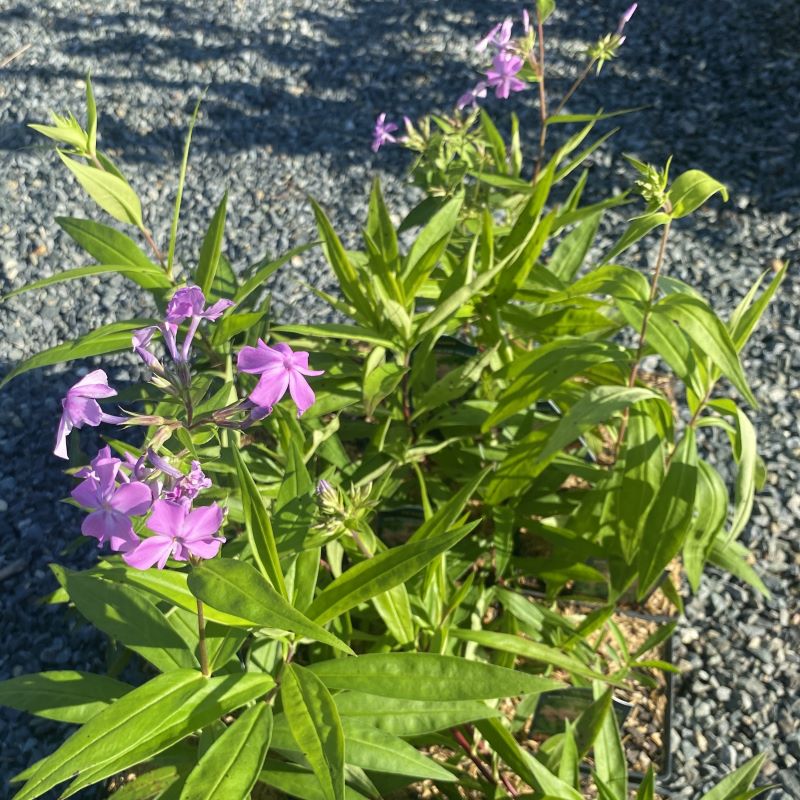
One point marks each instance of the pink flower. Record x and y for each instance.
(280, 369)
(179, 533)
(470, 97)
(501, 77)
(526, 21)
(499, 36)
(112, 504)
(382, 133)
(80, 407)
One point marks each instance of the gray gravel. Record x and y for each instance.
(293, 90)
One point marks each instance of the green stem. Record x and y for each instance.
(201, 634)
(542, 97)
(572, 89)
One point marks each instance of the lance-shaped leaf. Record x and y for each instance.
(737, 784)
(345, 272)
(386, 570)
(315, 726)
(105, 244)
(132, 717)
(171, 585)
(231, 766)
(113, 194)
(211, 248)
(670, 516)
(429, 245)
(62, 695)
(712, 512)
(533, 651)
(235, 586)
(404, 717)
(745, 452)
(545, 369)
(106, 339)
(598, 405)
(259, 527)
(690, 190)
(642, 464)
(371, 749)
(637, 229)
(131, 618)
(297, 782)
(709, 336)
(568, 257)
(427, 676)
(610, 763)
(211, 699)
(147, 279)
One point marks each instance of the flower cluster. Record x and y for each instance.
(115, 491)
(119, 491)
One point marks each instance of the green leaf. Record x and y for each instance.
(533, 651)
(297, 782)
(637, 229)
(379, 225)
(745, 318)
(712, 512)
(598, 405)
(670, 516)
(647, 787)
(135, 716)
(113, 194)
(335, 331)
(642, 465)
(572, 249)
(745, 452)
(568, 764)
(171, 586)
(207, 701)
(131, 618)
(211, 248)
(231, 766)
(405, 717)
(709, 336)
(107, 339)
(151, 785)
(394, 608)
(427, 676)
(371, 749)
(733, 556)
(62, 695)
(378, 751)
(235, 323)
(344, 270)
(690, 190)
(91, 117)
(259, 527)
(380, 383)
(376, 575)
(737, 782)
(236, 587)
(315, 726)
(150, 279)
(544, 370)
(264, 269)
(176, 213)
(609, 757)
(429, 245)
(109, 246)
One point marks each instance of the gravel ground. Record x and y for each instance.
(293, 89)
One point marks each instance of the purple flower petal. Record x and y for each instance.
(167, 518)
(301, 393)
(95, 384)
(132, 498)
(202, 523)
(270, 388)
(150, 551)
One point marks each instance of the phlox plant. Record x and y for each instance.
(288, 631)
